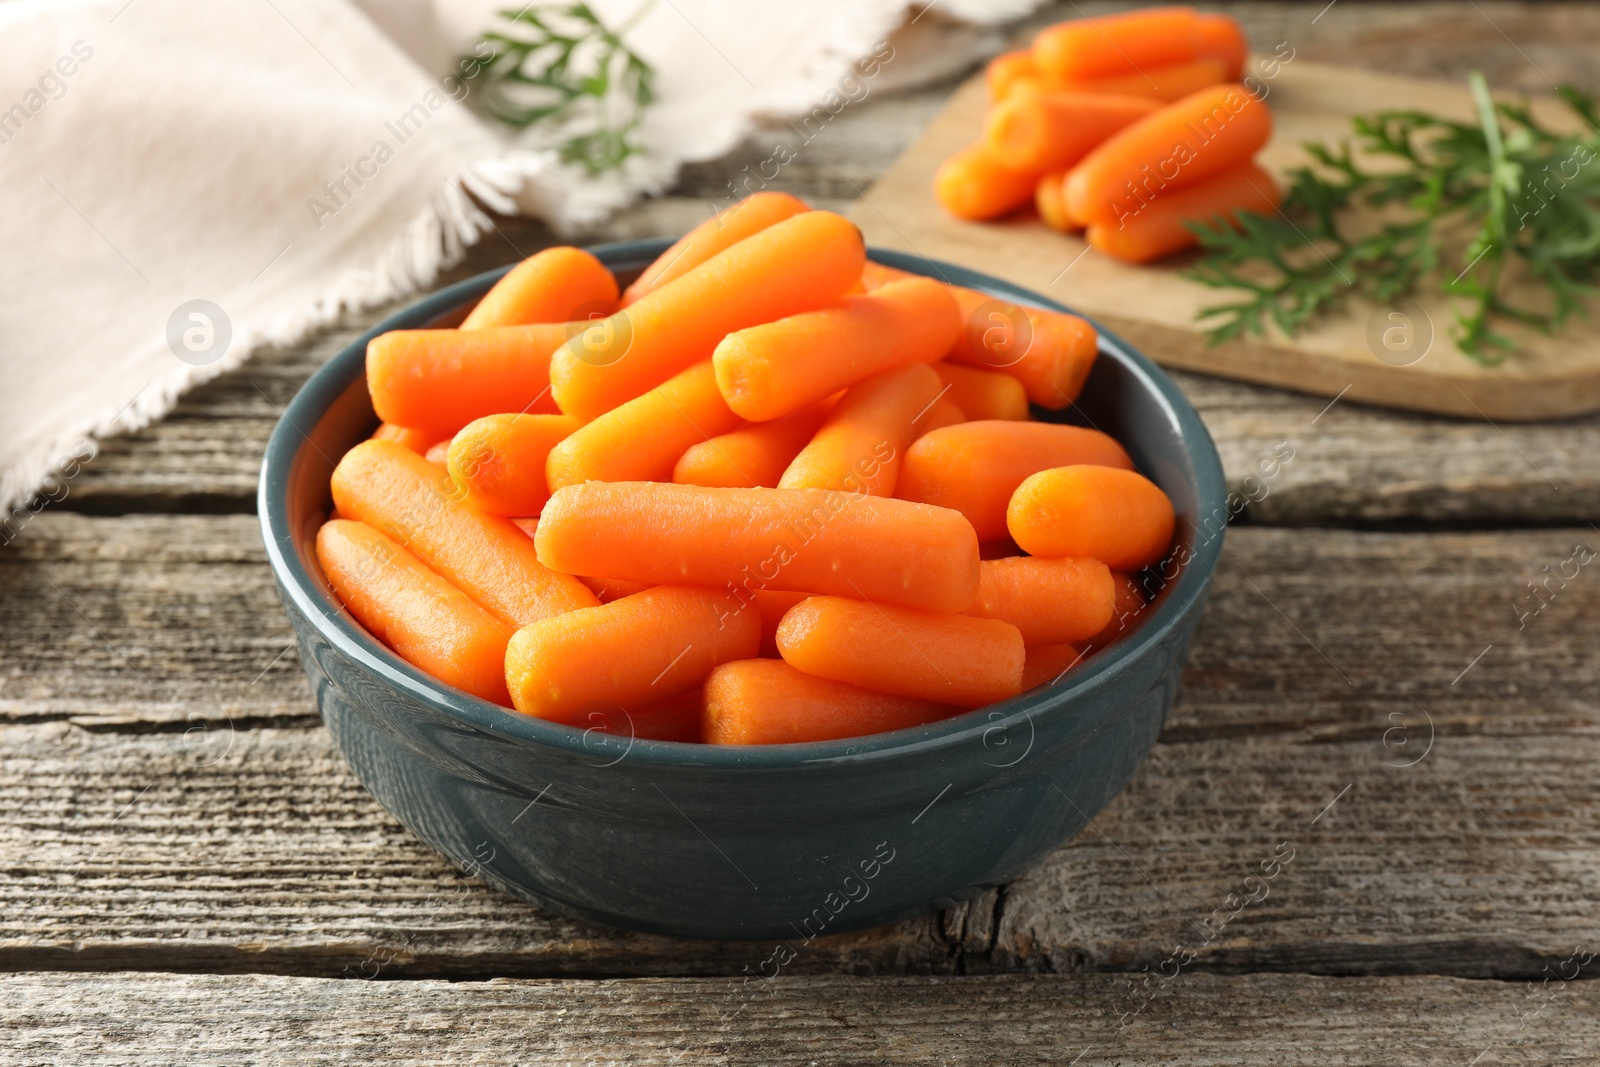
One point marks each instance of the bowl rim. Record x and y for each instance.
(302, 592)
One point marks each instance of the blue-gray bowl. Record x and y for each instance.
(774, 842)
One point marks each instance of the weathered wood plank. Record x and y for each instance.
(256, 850)
(160, 622)
(1203, 1019)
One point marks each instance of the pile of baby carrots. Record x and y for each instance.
(1127, 127)
(771, 492)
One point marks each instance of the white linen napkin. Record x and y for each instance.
(183, 181)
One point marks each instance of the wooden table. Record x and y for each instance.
(192, 874)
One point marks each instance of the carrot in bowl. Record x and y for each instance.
(981, 394)
(861, 442)
(977, 183)
(419, 441)
(440, 380)
(428, 622)
(1109, 45)
(976, 466)
(768, 702)
(439, 452)
(953, 659)
(1159, 227)
(632, 653)
(723, 230)
(808, 540)
(412, 501)
(677, 718)
(1118, 517)
(556, 285)
(1047, 664)
(755, 454)
(1050, 130)
(1183, 144)
(1126, 607)
(641, 439)
(499, 460)
(943, 412)
(1049, 600)
(805, 262)
(770, 370)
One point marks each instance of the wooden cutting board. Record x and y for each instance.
(1154, 309)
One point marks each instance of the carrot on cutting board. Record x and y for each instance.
(1108, 45)
(1159, 229)
(768, 702)
(641, 439)
(1051, 202)
(440, 380)
(982, 394)
(632, 653)
(755, 454)
(499, 460)
(977, 183)
(807, 540)
(1223, 39)
(556, 285)
(953, 659)
(1118, 517)
(1046, 664)
(1048, 130)
(1161, 84)
(805, 262)
(428, 622)
(1049, 600)
(976, 467)
(1006, 70)
(419, 441)
(723, 230)
(861, 443)
(412, 501)
(1183, 144)
(770, 370)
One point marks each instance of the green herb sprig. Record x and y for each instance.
(563, 67)
(1523, 195)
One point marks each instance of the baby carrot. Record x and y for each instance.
(1158, 229)
(1126, 605)
(770, 370)
(499, 460)
(954, 659)
(1006, 70)
(723, 230)
(1047, 663)
(413, 501)
(860, 444)
(1108, 45)
(809, 540)
(1051, 203)
(1049, 600)
(677, 718)
(982, 394)
(632, 653)
(1047, 130)
(1118, 517)
(976, 184)
(419, 441)
(1222, 39)
(975, 467)
(768, 702)
(609, 589)
(1163, 84)
(428, 622)
(773, 605)
(1183, 144)
(805, 262)
(439, 452)
(641, 439)
(941, 413)
(556, 285)
(1050, 352)
(756, 453)
(440, 380)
